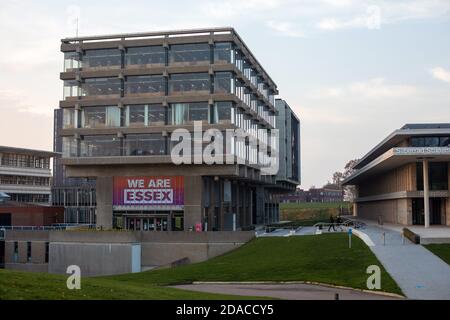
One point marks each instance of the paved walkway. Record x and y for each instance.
(284, 291)
(419, 273)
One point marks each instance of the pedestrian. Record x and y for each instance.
(331, 224)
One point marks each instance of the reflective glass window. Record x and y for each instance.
(223, 52)
(224, 82)
(101, 87)
(145, 144)
(145, 56)
(100, 117)
(69, 118)
(72, 61)
(100, 146)
(71, 89)
(102, 59)
(145, 85)
(187, 83)
(189, 54)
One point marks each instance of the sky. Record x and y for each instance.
(353, 71)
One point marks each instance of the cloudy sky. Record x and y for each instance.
(353, 70)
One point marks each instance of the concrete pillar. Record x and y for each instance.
(104, 187)
(193, 186)
(426, 194)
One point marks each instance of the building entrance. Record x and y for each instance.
(419, 212)
(146, 223)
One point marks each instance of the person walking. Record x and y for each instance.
(331, 224)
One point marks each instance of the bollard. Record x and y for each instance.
(336, 296)
(384, 238)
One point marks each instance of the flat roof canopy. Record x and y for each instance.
(396, 157)
(38, 153)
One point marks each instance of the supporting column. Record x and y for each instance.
(426, 194)
(104, 187)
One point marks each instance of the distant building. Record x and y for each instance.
(391, 179)
(328, 193)
(25, 174)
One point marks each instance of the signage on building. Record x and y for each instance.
(148, 191)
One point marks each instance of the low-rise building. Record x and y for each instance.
(405, 178)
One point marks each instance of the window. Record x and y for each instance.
(430, 141)
(156, 115)
(71, 89)
(148, 85)
(145, 56)
(182, 113)
(189, 54)
(100, 146)
(47, 247)
(16, 252)
(437, 175)
(69, 147)
(101, 87)
(72, 61)
(222, 112)
(135, 116)
(188, 83)
(223, 53)
(224, 82)
(69, 118)
(145, 145)
(28, 251)
(101, 59)
(100, 117)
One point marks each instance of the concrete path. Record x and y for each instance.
(419, 273)
(284, 291)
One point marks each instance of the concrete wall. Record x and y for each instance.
(38, 241)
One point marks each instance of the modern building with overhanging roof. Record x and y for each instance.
(405, 178)
(124, 97)
(25, 174)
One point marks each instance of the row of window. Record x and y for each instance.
(142, 145)
(24, 161)
(74, 197)
(24, 180)
(430, 141)
(142, 115)
(179, 55)
(27, 197)
(176, 55)
(15, 257)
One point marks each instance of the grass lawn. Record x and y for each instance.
(316, 211)
(441, 250)
(15, 285)
(325, 258)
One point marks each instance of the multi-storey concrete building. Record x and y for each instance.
(125, 99)
(76, 195)
(405, 178)
(25, 174)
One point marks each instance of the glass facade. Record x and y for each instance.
(223, 53)
(145, 115)
(188, 83)
(145, 85)
(69, 119)
(101, 59)
(145, 145)
(187, 113)
(71, 89)
(101, 87)
(190, 54)
(100, 117)
(25, 161)
(223, 112)
(430, 141)
(224, 82)
(72, 61)
(145, 56)
(99, 146)
(437, 175)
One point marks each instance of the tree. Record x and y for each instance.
(349, 191)
(337, 178)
